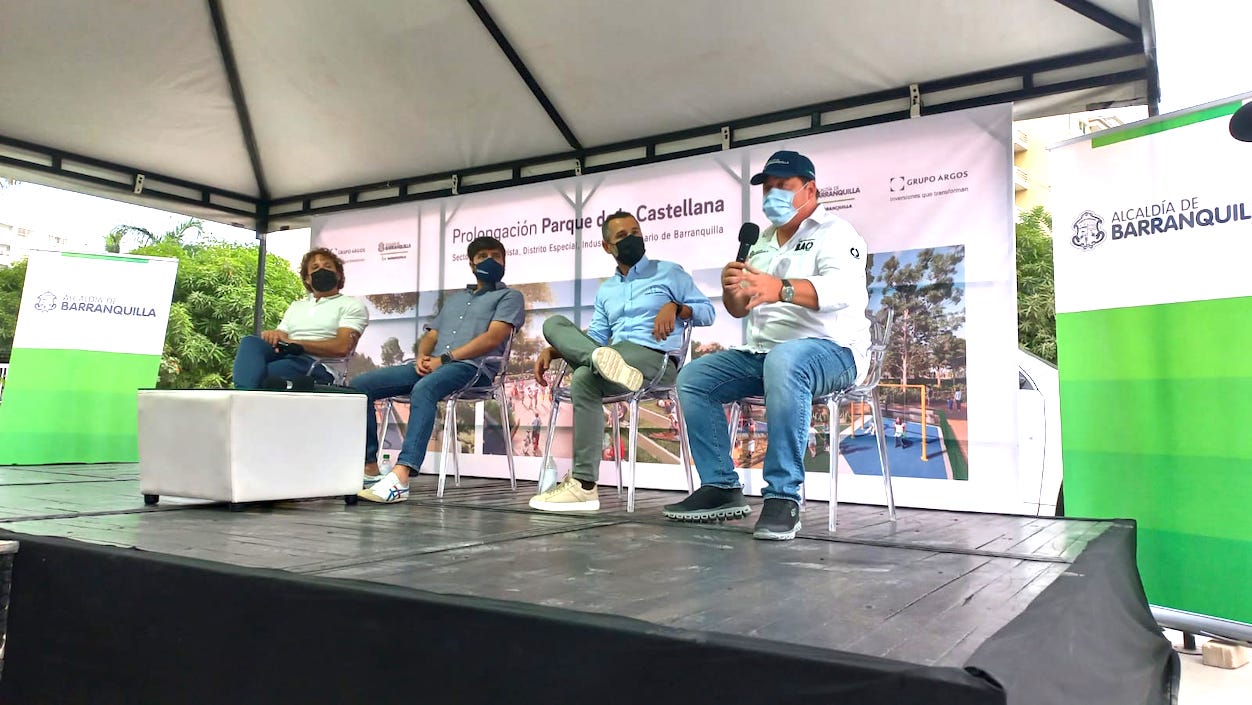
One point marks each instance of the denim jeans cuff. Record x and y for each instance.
(774, 495)
(723, 485)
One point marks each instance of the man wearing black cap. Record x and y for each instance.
(804, 294)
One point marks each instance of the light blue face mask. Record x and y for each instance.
(778, 208)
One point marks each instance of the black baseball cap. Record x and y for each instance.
(785, 164)
(1241, 123)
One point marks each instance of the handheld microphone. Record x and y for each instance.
(286, 348)
(749, 233)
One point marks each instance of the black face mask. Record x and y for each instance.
(630, 250)
(324, 280)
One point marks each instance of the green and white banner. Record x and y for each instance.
(1153, 228)
(90, 331)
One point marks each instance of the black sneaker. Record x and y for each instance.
(709, 504)
(780, 520)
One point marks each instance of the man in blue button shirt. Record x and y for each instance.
(473, 324)
(633, 327)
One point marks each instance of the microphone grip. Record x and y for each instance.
(743, 252)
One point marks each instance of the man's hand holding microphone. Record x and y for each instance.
(743, 286)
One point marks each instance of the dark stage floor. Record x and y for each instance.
(929, 589)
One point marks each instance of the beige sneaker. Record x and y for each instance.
(567, 496)
(610, 364)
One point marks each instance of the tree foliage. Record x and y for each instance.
(391, 352)
(525, 349)
(393, 303)
(1036, 287)
(212, 308)
(920, 294)
(11, 280)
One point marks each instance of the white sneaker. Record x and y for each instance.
(387, 490)
(610, 364)
(368, 481)
(567, 496)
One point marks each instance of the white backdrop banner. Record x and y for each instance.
(931, 196)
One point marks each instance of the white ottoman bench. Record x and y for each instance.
(244, 446)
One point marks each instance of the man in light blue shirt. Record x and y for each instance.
(633, 327)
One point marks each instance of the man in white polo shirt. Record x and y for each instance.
(804, 293)
(324, 324)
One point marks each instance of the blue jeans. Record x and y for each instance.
(255, 360)
(789, 376)
(425, 393)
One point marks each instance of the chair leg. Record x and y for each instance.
(736, 412)
(882, 454)
(616, 440)
(445, 447)
(502, 401)
(547, 444)
(456, 444)
(634, 447)
(832, 409)
(388, 411)
(684, 444)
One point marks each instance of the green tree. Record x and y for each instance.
(920, 293)
(392, 353)
(11, 281)
(525, 349)
(212, 310)
(144, 237)
(360, 364)
(1036, 285)
(948, 355)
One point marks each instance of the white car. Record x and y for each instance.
(1038, 435)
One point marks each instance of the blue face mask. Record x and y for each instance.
(489, 271)
(778, 208)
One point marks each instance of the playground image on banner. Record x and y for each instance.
(922, 391)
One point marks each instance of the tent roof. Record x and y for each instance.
(237, 108)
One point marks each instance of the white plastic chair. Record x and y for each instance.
(867, 392)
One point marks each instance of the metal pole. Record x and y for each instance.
(923, 388)
(262, 228)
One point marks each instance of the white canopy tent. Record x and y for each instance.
(265, 112)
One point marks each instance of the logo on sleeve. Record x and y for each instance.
(856, 254)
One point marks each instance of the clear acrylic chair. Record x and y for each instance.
(469, 392)
(652, 390)
(865, 392)
(336, 366)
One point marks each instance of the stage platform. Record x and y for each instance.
(476, 598)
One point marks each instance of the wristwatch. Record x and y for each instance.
(788, 292)
(446, 358)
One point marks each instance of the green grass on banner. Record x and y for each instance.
(960, 467)
(72, 406)
(1156, 407)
